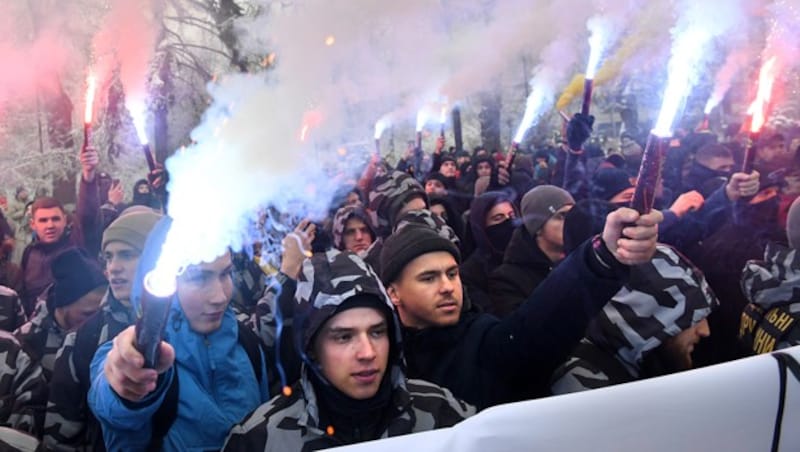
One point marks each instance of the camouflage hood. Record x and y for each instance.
(662, 298)
(428, 219)
(388, 194)
(340, 221)
(328, 280)
(774, 281)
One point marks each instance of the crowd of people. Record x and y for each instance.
(423, 298)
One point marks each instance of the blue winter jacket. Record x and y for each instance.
(217, 389)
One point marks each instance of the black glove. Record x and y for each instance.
(579, 130)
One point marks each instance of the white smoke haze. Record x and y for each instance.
(738, 58)
(783, 39)
(361, 62)
(557, 60)
(606, 27)
(698, 24)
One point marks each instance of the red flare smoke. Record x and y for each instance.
(757, 110)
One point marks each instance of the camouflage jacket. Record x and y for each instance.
(293, 423)
(770, 321)
(41, 337)
(23, 390)
(69, 424)
(12, 314)
(662, 298)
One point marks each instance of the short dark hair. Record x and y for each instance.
(46, 202)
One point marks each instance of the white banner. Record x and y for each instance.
(730, 407)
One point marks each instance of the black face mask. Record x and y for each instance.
(500, 234)
(698, 175)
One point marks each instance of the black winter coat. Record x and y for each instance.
(524, 267)
(486, 361)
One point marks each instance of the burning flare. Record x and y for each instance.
(380, 126)
(757, 110)
(91, 87)
(422, 119)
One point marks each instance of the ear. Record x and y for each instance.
(394, 295)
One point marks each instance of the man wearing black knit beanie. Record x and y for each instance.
(486, 361)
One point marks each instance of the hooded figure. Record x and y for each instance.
(771, 320)
(391, 195)
(345, 397)
(358, 240)
(648, 328)
(490, 237)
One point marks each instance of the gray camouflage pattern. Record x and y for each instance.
(66, 425)
(23, 387)
(291, 423)
(661, 299)
(387, 194)
(427, 218)
(12, 314)
(41, 337)
(340, 221)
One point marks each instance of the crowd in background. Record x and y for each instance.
(425, 295)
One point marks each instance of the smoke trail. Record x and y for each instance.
(35, 53)
(556, 61)
(127, 38)
(735, 61)
(648, 31)
(698, 24)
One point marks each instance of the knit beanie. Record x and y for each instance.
(793, 224)
(75, 276)
(541, 203)
(409, 243)
(608, 182)
(131, 228)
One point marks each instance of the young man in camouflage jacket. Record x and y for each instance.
(69, 424)
(353, 387)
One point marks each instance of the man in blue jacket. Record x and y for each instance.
(219, 377)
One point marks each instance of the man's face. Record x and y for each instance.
(143, 189)
(461, 161)
(552, 232)
(428, 292)
(500, 213)
(121, 260)
(49, 224)
(204, 292)
(775, 151)
(483, 169)
(448, 169)
(356, 236)
(22, 195)
(416, 203)
(352, 348)
(434, 187)
(678, 349)
(73, 316)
